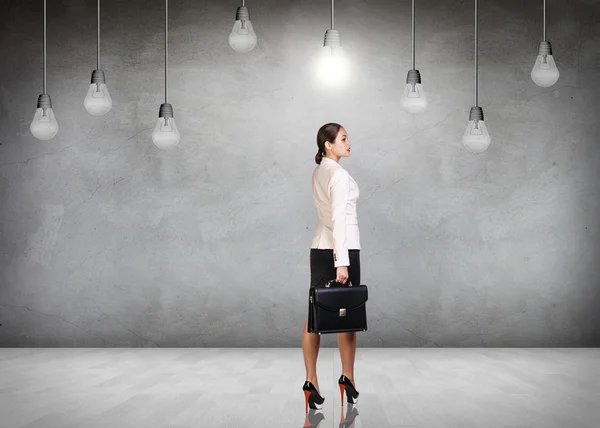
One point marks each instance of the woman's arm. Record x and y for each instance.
(339, 186)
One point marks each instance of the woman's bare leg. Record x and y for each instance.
(347, 346)
(310, 349)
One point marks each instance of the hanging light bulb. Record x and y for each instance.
(414, 100)
(332, 67)
(242, 38)
(98, 101)
(544, 72)
(476, 138)
(44, 125)
(166, 135)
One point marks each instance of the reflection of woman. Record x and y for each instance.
(334, 253)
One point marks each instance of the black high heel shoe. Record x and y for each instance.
(351, 392)
(312, 397)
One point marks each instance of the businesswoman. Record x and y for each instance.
(334, 252)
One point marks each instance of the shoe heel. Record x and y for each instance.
(306, 396)
(342, 389)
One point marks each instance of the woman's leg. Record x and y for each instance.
(347, 340)
(310, 349)
(321, 268)
(347, 347)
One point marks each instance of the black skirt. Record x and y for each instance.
(323, 270)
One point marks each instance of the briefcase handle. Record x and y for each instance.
(333, 280)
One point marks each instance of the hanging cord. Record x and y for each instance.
(476, 74)
(332, 14)
(166, 49)
(544, 20)
(413, 34)
(98, 61)
(44, 46)
(243, 3)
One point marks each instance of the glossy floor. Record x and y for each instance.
(207, 387)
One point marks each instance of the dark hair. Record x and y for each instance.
(327, 132)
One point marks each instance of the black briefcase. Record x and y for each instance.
(337, 308)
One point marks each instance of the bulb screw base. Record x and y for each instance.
(476, 113)
(166, 110)
(545, 48)
(44, 101)
(413, 76)
(242, 14)
(98, 76)
(332, 38)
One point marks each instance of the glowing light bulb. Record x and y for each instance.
(98, 101)
(476, 138)
(242, 38)
(544, 72)
(44, 125)
(414, 100)
(165, 135)
(333, 67)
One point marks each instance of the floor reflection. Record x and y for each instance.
(314, 417)
(347, 420)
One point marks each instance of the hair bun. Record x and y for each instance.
(318, 157)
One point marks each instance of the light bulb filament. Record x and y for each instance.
(414, 91)
(98, 93)
(476, 130)
(545, 65)
(243, 30)
(45, 117)
(166, 125)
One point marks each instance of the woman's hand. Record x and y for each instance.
(341, 274)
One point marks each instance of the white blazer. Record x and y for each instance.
(335, 194)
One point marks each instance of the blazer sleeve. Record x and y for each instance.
(339, 187)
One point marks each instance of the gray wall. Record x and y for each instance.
(108, 241)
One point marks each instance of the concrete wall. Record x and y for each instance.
(108, 241)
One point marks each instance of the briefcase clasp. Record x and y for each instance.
(342, 312)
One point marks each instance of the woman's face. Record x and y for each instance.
(341, 145)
